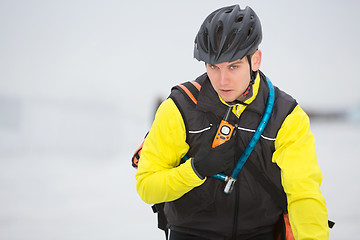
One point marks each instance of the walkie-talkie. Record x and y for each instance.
(224, 131)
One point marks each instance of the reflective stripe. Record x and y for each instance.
(200, 131)
(251, 130)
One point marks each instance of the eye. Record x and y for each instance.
(213, 66)
(233, 67)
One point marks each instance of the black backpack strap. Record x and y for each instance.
(191, 92)
(190, 89)
(278, 196)
(162, 221)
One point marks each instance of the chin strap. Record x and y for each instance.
(252, 77)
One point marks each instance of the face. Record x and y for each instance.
(231, 79)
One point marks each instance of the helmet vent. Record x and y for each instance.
(239, 19)
(231, 39)
(206, 42)
(219, 33)
(250, 31)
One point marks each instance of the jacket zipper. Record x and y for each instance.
(237, 200)
(236, 211)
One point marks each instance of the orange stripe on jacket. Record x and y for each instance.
(197, 85)
(188, 93)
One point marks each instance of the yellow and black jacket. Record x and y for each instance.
(285, 154)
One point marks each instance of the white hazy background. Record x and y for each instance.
(79, 81)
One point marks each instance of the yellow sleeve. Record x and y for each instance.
(301, 177)
(159, 177)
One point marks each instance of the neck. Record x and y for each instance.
(245, 97)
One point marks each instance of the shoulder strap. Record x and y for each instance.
(190, 89)
(162, 221)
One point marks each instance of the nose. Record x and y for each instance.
(224, 78)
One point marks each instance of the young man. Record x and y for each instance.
(196, 206)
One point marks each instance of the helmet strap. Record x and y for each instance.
(252, 77)
(252, 73)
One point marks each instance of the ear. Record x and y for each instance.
(256, 60)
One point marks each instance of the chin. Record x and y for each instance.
(228, 99)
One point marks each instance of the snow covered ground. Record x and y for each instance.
(92, 196)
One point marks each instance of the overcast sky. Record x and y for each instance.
(129, 52)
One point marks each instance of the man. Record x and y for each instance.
(196, 206)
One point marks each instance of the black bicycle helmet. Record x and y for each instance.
(228, 34)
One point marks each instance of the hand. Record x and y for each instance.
(209, 161)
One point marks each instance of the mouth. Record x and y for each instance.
(225, 91)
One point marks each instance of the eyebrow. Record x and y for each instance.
(231, 64)
(237, 62)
